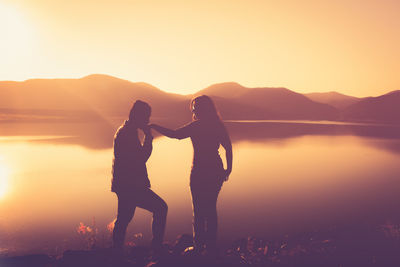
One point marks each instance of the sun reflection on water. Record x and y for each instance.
(4, 176)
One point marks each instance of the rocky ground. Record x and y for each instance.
(364, 246)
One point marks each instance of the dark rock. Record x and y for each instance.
(36, 260)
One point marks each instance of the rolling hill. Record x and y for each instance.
(98, 97)
(280, 102)
(89, 96)
(385, 109)
(335, 99)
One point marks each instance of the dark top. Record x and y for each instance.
(129, 164)
(206, 136)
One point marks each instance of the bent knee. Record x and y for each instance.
(163, 208)
(122, 221)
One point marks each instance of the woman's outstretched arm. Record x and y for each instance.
(180, 133)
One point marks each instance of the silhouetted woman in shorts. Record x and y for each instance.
(207, 133)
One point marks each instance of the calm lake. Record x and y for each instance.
(288, 177)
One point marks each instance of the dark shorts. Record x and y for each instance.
(207, 177)
(144, 198)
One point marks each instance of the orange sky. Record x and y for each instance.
(351, 46)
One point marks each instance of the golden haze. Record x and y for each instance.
(348, 46)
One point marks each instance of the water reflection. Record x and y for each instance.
(269, 130)
(4, 177)
(99, 135)
(287, 177)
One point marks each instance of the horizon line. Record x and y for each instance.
(233, 82)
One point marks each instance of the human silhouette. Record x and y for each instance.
(130, 180)
(207, 133)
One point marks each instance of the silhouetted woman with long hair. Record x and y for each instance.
(207, 133)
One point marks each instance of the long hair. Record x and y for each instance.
(203, 107)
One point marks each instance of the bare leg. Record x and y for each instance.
(212, 221)
(205, 221)
(155, 204)
(126, 210)
(199, 220)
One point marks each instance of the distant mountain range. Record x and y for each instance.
(385, 108)
(272, 103)
(102, 96)
(334, 99)
(91, 97)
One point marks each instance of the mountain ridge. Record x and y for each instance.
(110, 96)
(333, 98)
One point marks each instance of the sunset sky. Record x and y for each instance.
(350, 46)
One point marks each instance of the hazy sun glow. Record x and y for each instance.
(349, 46)
(4, 176)
(16, 39)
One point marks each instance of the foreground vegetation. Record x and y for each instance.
(361, 246)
